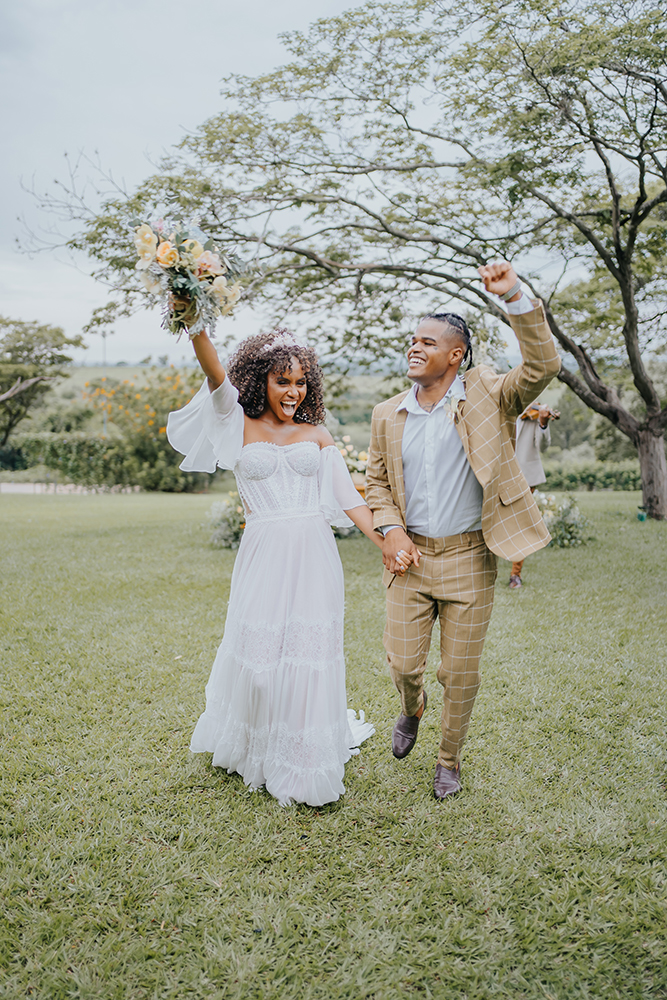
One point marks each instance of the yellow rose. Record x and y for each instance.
(167, 254)
(193, 247)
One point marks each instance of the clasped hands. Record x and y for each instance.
(399, 551)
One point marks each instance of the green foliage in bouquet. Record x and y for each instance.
(227, 519)
(567, 525)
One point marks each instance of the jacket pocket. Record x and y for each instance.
(510, 492)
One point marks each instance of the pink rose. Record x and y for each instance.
(209, 263)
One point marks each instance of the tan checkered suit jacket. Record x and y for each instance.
(486, 420)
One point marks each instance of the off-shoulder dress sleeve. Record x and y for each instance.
(337, 491)
(209, 429)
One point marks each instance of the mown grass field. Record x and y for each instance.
(131, 869)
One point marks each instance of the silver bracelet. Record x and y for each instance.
(506, 296)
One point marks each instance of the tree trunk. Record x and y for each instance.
(653, 466)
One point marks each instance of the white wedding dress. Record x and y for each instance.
(276, 709)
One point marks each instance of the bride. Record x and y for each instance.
(276, 709)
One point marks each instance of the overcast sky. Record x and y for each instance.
(99, 77)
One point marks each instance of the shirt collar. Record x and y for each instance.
(457, 390)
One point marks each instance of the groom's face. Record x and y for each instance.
(432, 352)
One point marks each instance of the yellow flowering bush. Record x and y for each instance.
(134, 451)
(137, 411)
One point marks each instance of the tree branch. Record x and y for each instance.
(614, 412)
(21, 385)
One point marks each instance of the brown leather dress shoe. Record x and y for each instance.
(446, 782)
(405, 732)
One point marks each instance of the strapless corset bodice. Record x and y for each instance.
(279, 480)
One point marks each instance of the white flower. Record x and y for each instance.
(150, 283)
(451, 405)
(219, 290)
(145, 242)
(281, 340)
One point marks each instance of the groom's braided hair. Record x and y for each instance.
(249, 367)
(458, 327)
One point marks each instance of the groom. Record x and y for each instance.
(444, 485)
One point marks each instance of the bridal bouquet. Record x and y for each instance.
(197, 279)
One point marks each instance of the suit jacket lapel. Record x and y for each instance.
(396, 456)
(461, 425)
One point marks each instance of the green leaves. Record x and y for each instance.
(404, 144)
(28, 350)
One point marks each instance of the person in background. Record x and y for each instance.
(532, 429)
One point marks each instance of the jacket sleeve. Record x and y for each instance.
(379, 495)
(540, 362)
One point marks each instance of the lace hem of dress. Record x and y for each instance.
(317, 644)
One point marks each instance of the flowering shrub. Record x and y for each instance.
(135, 450)
(142, 410)
(356, 461)
(227, 519)
(564, 520)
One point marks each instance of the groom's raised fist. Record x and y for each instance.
(499, 277)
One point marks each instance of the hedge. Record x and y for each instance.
(95, 460)
(598, 476)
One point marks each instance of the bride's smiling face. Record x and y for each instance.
(285, 391)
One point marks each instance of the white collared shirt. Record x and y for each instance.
(442, 494)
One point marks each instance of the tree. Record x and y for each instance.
(405, 144)
(31, 357)
(574, 426)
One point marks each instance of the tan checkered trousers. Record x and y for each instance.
(455, 579)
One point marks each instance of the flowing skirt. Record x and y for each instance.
(276, 708)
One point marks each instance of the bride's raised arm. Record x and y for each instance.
(208, 430)
(207, 356)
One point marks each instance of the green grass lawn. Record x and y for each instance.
(132, 869)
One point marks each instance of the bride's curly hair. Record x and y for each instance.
(256, 356)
